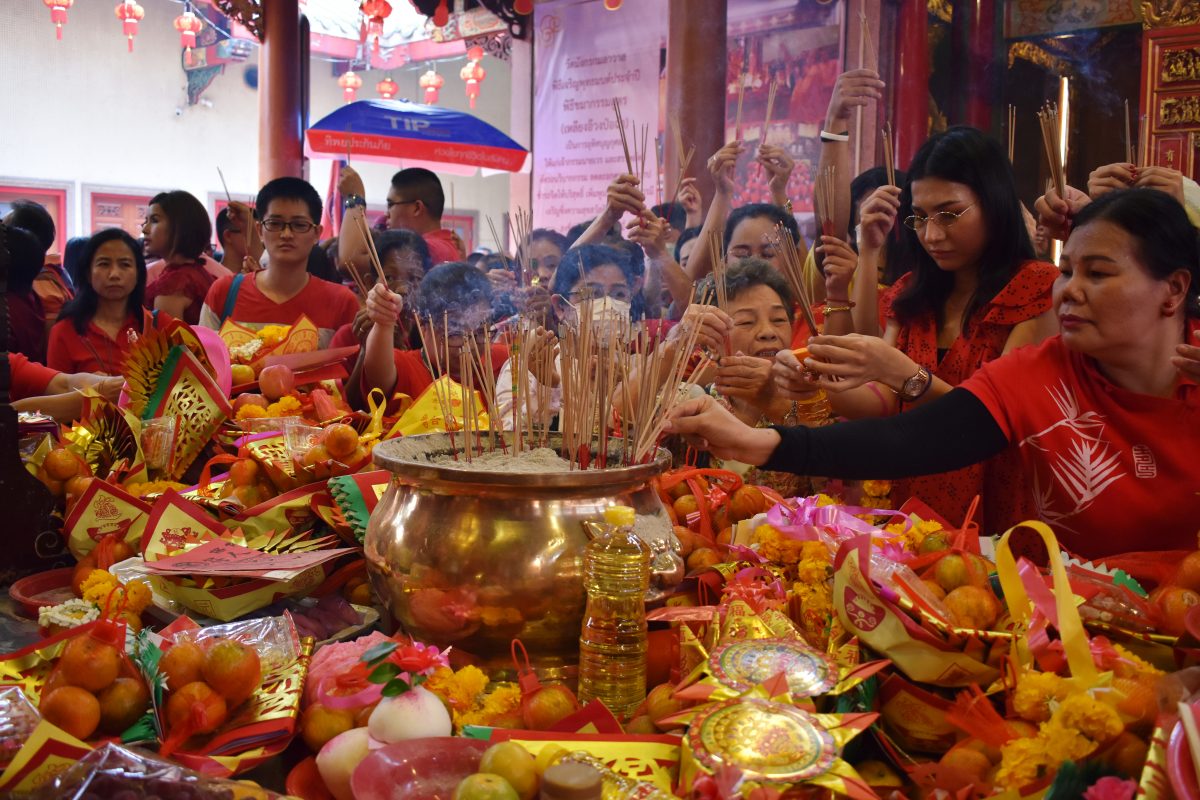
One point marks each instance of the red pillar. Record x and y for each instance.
(280, 146)
(911, 84)
(696, 85)
(981, 32)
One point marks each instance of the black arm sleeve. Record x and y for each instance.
(949, 433)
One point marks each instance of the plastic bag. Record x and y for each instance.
(114, 771)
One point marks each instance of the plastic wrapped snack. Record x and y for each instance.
(18, 718)
(114, 771)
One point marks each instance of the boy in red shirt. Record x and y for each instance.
(281, 293)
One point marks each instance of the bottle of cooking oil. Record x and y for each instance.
(612, 640)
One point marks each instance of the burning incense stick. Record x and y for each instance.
(794, 257)
(624, 141)
(737, 121)
(376, 267)
(1128, 137)
(1051, 133)
(1012, 131)
(1144, 142)
(225, 186)
(864, 36)
(889, 160)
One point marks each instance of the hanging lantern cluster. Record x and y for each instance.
(387, 88)
(58, 14)
(130, 14)
(473, 74)
(431, 82)
(612, 5)
(376, 11)
(188, 25)
(441, 15)
(350, 84)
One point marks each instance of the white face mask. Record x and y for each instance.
(609, 316)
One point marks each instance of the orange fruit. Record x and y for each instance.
(249, 496)
(89, 663)
(745, 503)
(484, 786)
(82, 570)
(77, 485)
(320, 724)
(962, 767)
(934, 588)
(241, 374)
(74, 710)
(682, 488)
(684, 506)
(198, 703)
(955, 570)
(244, 472)
(1174, 602)
(1127, 754)
(640, 725)
(316, 454)
(703, 557)
(514, 764)
(972, 607)
(233, 670)
(183, 663)
(934, 543)
(1138, 705)
(56, 487)
(547, 706)
(1189, 572)
(61, 464)
(687, 540)
(341, 440)
(122, 704)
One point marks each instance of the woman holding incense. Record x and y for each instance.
(973, 293)
(1055, 213)
(1105, 416)
(177, 231)
(97, 326)
(452, 304)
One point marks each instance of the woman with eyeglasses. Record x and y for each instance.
(453, 304)
(974, 291)
(176, 230)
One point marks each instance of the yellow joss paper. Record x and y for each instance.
(48, 752)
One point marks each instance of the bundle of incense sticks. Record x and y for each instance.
(718, 267)
(1129, 151)
(737, 120)
(824, 195)
(376, 267)
(522, 228)
(794, 257)
(1051, 131)
(624, 140)
(864, 39)
(685, 159)
(889, 159)
(1012, 131)
(771, 90)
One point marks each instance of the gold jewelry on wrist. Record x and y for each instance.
(846, 305)
(787, 205)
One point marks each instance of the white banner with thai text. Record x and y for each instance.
(585, 57)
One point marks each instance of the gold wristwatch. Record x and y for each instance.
(916, 386)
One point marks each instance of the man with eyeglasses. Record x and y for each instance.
(415, 202)
(284, 291)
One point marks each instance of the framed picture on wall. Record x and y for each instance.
(462, 223)
(116, 207)
(55, 197)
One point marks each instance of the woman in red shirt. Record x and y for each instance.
(96, 327)
(177, 230)
(974, 293)
(1105, 417)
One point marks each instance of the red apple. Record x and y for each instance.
(276, 380)
(249, 400)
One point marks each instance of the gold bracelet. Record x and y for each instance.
(793, 416)
(787, 205)
(832, 309)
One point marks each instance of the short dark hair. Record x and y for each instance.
(288, 188)
(81, 308)
(685, 237)
(673, 213)
(756, 210)
(1166, 240)
(389, 240)
(966, 156)
(190, 229)
(418, 183)
(579, 261)
(72, 256)
(26, 256)
(449, 289)
(745, 274)
(223, 225)
(34, 218)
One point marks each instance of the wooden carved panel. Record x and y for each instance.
(1171, 95)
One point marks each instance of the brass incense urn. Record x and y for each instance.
(475, 555)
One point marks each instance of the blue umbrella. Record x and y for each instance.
(394, 130)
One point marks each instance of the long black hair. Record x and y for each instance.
(1166, 240)
(81, 308)
(966, 155)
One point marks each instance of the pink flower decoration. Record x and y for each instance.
(418, 659)
(1111, 788)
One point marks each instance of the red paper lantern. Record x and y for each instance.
(58, 14)
(473, 74)
(612, 5)
(130, 14)
(188, 25)
(376, 12)
(387, 88)
(441, 15)
(431, 82)
(475, 53)
(350, 84)
(523, 6)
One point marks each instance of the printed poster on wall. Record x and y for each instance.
(585, 57)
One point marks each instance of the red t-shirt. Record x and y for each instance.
(211, 266)
(29, 379)
(94, 351)
(414, 377)
(328, 305)
(1112, 471)
(442, 247)
(181, 280)
(998, 480)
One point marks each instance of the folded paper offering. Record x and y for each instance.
(221, 557)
